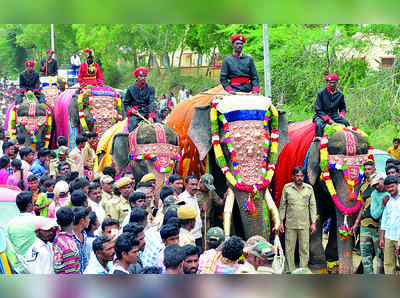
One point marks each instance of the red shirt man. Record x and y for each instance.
(90, 72)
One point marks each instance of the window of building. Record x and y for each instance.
(200, 59)
(387, 62)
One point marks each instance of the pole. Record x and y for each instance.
(52, 37)
(267, 66)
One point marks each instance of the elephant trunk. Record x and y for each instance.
(255, 223)
(345, 248)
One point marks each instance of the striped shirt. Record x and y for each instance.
(66, 254)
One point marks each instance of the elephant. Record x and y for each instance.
(89, 109)
(33, 120)
(247, 131)
(303, 151)
(146, 140)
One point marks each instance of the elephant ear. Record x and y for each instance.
(120, 150)
(73, 111)
(313, 163)
(283, 131)
(200, 130)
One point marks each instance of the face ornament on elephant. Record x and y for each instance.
(248, 143)
(50, 88)
(162, 155)
(104, 112)
(351, 165)
(31, 122)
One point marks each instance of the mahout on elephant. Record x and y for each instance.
(334, 168)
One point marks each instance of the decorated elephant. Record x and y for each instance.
(334, 169)
(31, 119)
(150, 148)
(242, 136)
(89, 109)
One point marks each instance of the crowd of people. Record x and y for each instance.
(75, 221)
(72, 222)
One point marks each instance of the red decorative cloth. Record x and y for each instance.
(94, 79)
(140, 70)
(331, 76)
(49, 51)
(238, 37)
(301, 134)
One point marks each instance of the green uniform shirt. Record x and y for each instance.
(366, 218)
(301, 206)
(210, 199)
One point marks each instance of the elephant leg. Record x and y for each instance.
(331, 250)
(317, 256)
(345, 247)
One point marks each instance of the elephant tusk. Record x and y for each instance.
(228, 212)
(272, 209)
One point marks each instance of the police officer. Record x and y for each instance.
(238, 72)
(298, 203)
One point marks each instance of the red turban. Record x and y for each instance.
(30, 63)
(140, 70)
(49, 51)
(238, 37)
(331, 76)
(88, 52)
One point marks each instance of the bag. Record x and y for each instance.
(278, 263)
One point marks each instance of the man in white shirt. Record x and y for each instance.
(94, 195)
(77, 155)
(182, 94)
(189, 197)
(39, 259)
(76, 63)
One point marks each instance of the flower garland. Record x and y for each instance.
(156, 164)
(268, 169)
(117, 105)
(117, 115)
(344, 230)
(29, 130)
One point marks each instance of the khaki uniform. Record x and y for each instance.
(301, 211)
(210, 198)
(106, 197)
(54, 166)
(185, 237)
(89, 155)
(118, 208)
